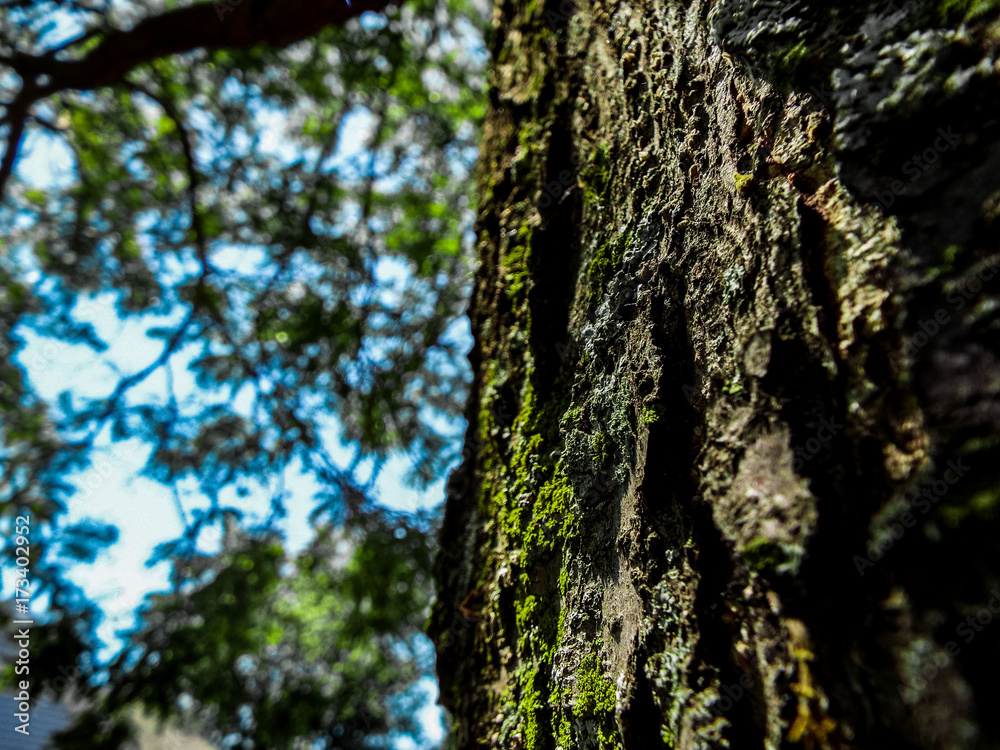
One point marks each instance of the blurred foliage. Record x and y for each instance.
(293, 227)
(252, 645)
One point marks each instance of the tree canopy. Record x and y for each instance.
(278, 193)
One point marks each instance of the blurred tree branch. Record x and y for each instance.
(216, 25)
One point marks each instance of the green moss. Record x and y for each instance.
(743, 181)
(982, 506)
(602, 447)
(532, 498)
(978, 444)
(593, 709)
(564, 737)
(947, 257)
(618, 248)
(652, 414)
(595, 174)
(787, 61)
(991, 208)
(528, 139)
(528, 496)
(667, 736)
(537, 642)
(595, 693)
(525, 609)
(965, 11)
(530, 709)
(606, 259)
(763, 554)
(572, 417)
(551, 522)
(597, 271)
(516, 264)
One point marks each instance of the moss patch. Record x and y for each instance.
(764, 555)
(595, 693)
(787, 62)
(652, 414)
(743, 181)
(965, 11)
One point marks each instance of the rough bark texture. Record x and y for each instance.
(730, 475)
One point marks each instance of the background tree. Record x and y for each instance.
(738, 293)
(278, 193)
(246, 652)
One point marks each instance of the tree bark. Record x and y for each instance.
(730, 472)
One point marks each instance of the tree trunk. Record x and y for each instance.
(730, 472)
